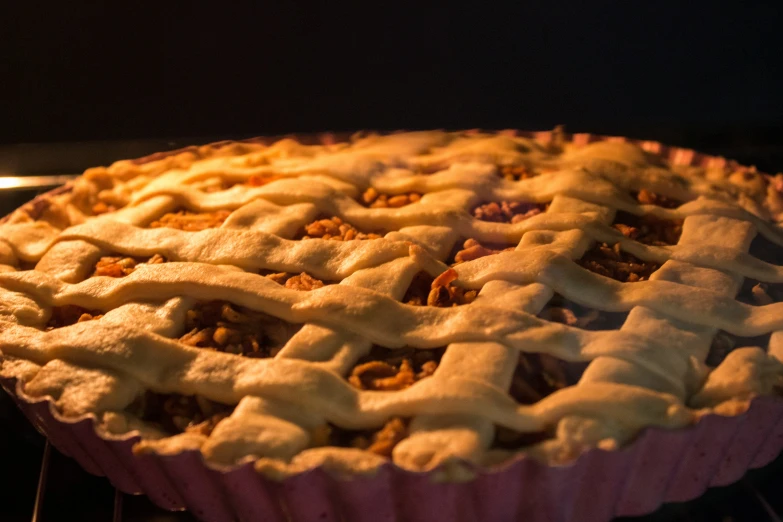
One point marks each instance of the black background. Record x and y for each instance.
(84, 71)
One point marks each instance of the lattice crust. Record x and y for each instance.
(426, 297)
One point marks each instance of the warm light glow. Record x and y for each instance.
(10, 182)
(14, 182)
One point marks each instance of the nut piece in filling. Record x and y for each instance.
(191, 221)
(611, 261)
(472, 249)
(439, 291)
(646, 197)
(508, 211)
(119, 266)
(374, 199)
(648, 229)
(70, 314)
(334, 228)
(303, 281)
(222, 326)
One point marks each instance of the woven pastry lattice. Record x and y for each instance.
(273, 287)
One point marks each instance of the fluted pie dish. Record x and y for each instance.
(422, 325)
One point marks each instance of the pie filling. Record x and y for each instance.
(334, 228)
(753, 293)
(301, 281)
(724, 343)
(381, 441)
(613, 262)
(120, 266)
(508, 211)
(438, 291)
(765, 250)
(517, 172)
(222, 326)
(373, 199)
(537, 374)
(561, 310)
(648, 229)
(174, 413)
(647, 197)
(102, 208)
(756, 293)
(385, 369)
(191, 221)
(256, 180)
(70, 314)
(26, 265)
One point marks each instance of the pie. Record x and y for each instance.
(442, 301)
